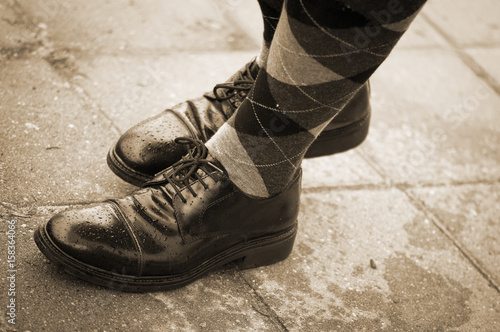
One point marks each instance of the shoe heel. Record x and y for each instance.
(335, 141)
(268, 254)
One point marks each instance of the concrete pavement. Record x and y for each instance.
(401, 234)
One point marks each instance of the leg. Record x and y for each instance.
(271, 10)
(148, 147)
(322, 53)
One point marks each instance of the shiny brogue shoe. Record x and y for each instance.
(148, 147)
(189, 220)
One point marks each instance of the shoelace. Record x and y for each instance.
(186, 168)
(244, 83)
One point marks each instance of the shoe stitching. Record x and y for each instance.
(177, 217)
(202, 214)
(114, 205)
(237, 233)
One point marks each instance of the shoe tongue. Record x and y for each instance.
(241, 74)
(254, 70)
(215, 163)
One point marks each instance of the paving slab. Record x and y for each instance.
(130, 89)
(470, 213)
(247, 14)
(73, 75)
(347, 169)
(54, 144)
(421, 35)
(135, 26)
(466, 23)
(48, 299)
(434, 121)
(369, 260)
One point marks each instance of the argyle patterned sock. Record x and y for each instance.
(271, 10)
(322, 52)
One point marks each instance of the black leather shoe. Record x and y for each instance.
(148, 147)
(189, 220)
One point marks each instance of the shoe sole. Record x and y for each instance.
(341, 139)
(117, 166)
(261, 251)
(328, 143)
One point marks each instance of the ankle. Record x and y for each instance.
(264, 53)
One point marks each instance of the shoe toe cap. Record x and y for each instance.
(149, 147)
(95, 236)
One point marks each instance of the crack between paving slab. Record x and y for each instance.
(437, 222)
(464, 57)
(346, 188)
(271, 313)
(141, 53)
(11, 208)
(81, 92)
(373, 164)
(70, 204)
(462, 248)
(404, 185)
(34, 210)
(87, 98)
(399, 185)
(421, 48)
